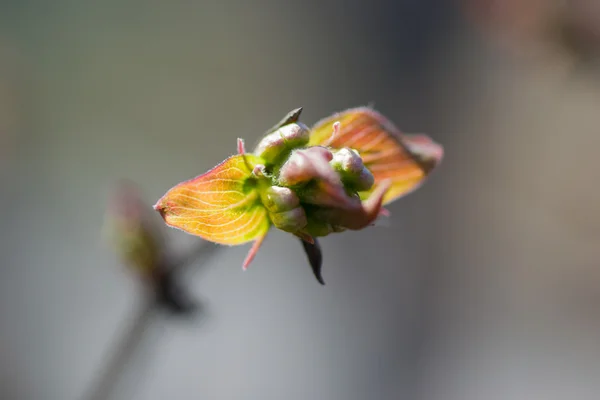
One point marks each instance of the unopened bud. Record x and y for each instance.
(129, 228)
(364, 181)
(284, 139)
(307, 164)
(289, 221)
(350, 166)
(347, 160)
(277, 199)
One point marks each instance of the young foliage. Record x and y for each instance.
(308, 182)
(222, 205)
(404, 159)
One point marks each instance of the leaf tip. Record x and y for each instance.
(295, 114)
(373, 204)
(427, 152)
(160, 208)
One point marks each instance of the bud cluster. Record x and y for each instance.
(311, 191)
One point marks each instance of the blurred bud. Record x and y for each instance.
(352, 170)
(139, 244)
(283, 140)
(126, 204)
(135, 239)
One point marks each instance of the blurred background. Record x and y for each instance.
(485, 284)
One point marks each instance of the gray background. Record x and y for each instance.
(484, 285)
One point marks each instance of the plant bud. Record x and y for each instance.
(130, 230)
(307, 164)
(277, 199)
(350, 166)
(347, 160)
(283, 140)
(364, 181)
(289, 221)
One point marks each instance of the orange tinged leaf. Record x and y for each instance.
(405, 160)
(222, 206)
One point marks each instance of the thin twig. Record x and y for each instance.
(123, 351)
(128, 344)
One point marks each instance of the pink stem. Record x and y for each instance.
(253, 250)
(241, 148)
